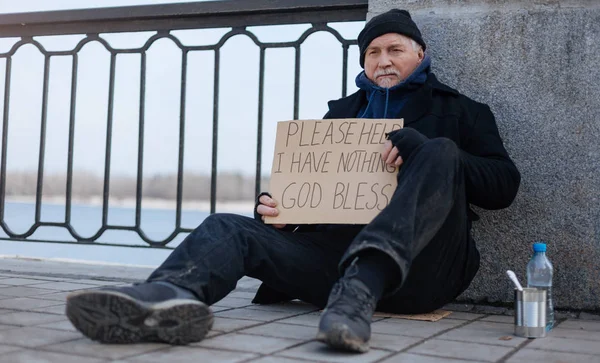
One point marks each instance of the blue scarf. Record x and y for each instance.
(387, 102)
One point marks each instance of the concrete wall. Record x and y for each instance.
(537, 64)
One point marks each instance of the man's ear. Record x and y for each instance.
(421, 54)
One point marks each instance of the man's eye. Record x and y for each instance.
(397, 50)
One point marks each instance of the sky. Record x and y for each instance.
(321, 78)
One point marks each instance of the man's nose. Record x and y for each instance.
(384, 60)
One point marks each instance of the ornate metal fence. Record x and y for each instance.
(236, 14)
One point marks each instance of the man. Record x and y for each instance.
(414, 257)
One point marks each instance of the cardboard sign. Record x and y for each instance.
(331, 171)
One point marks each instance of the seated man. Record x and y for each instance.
(416, 256)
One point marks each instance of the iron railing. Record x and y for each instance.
(236, 14)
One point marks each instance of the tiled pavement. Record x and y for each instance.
(33, 328)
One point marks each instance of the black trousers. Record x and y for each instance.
(424, 229)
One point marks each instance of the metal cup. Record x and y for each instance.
(530, 313)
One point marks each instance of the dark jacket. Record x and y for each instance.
(436, 110)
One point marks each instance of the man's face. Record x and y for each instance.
(391, 58)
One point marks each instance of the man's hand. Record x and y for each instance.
(390, 154)
(267, 207)
(400, 144)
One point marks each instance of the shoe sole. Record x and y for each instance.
(339, 337)
(117, 318)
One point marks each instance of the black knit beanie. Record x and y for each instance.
(394, 21)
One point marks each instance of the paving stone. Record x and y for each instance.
(532, 355)
(486, 333)
(322, 353)
(242, 294)
(39, 277)
(587, 316)
(566, 345)
(280, 330)
(295, 308)
(216, 309)
(232, 302)
(26, 318)
(252, 314)
(6, 311)
(6, 275)
(248, 343)
(459, 307)
(64, 286)
(6, 327)
(59, 325)
(19, 281)
(459, 315)
(279, 360)
(37, 356)
(35, 337)
(561, 332)
(227, 325)
(26, 303)
(484, 309)
(55, 309)
(311, 319)
(392, 342)
(415, 358)
(413, 328)
(96, 283)
(57, 296)
(89, 348)
(461, 350)
(7, 349)
(23, 291)
(500, 319)
(581, 324)
(191, 355)
(566, 315)
(41, 311)
(213, 333)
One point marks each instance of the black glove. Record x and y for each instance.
(406, 140)
(256, 215)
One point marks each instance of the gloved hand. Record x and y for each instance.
(406, 140)
(257, 215)
(265, 205)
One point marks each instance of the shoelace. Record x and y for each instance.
(363, 305)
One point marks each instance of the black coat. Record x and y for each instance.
(436, 110)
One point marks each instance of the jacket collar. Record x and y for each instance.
(419, 104)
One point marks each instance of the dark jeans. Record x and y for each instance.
(424, 229)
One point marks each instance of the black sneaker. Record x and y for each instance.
(346, 321)
(148, 312)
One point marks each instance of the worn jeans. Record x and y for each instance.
(424, 229)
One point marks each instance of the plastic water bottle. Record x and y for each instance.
(539, 275)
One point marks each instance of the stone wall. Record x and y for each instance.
(537, 64)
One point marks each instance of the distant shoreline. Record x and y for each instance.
(147, 203)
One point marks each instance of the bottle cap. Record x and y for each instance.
(539, 247)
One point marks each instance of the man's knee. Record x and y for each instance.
(227, 222)
(220, 218)
(441, 150)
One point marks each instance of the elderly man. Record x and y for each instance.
(414, 257)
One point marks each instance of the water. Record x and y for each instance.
(86, 220)
(539, 275)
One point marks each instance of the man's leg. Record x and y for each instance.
(228, 247)
(172, 306)
(414, 253)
